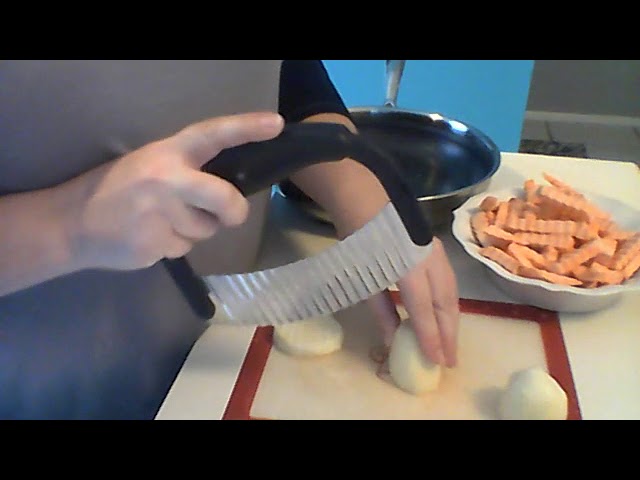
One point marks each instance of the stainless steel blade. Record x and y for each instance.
(365, 263)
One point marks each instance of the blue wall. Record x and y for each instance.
(490, 95)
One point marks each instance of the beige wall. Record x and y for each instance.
(597, 87)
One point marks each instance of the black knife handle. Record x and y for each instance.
(252, 167)
(192, 286)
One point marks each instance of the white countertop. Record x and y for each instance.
(602, 346)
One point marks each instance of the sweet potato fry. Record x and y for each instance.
(632, 267)
(489, 204)
(608, 246)
(516, 206)
(531, 191)
(550, 254)
(498, 237)
(529, 223)
(479, 222)
(550, 277)
(597, 273)
(627, 251)
(565, 187)
(502, 258)
(616, 233)
(527, 256)
(604, 260)
(563, 206)
(502, 214)
(541, 240)
(577, 204)
(569, 261)
(581, 272)
(515, 252)
(606, 276)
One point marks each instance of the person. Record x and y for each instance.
(100, 180)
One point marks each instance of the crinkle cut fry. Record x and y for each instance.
(550, 253)
(527, 256)
(531, 191)
(512, 249)
(632, 267)
(502, 214)
(580, 205)
(529, 223)
(498, 237)
(626, 252)
(489, 204)
(565, 187)
(541, 240)
(615, 233)
(502, 258)
(479, 223)
(605, 275)
(555, 205)
(597, 273)
(550, 277)
(571, 260)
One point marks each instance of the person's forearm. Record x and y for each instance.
(338, 186)
(34, 245)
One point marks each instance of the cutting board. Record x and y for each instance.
(495, 340)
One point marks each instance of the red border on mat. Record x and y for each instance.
(244, 391)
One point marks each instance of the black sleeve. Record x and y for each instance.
(306, 89)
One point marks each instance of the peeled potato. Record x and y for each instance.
(310, 337)
(409, 368)
(533, 394)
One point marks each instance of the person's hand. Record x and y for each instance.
(353, 196)
(430, 295)
(155, 202)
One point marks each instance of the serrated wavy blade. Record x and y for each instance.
(365, 263)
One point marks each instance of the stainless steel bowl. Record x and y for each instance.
(446, 161)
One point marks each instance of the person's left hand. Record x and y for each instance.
(429, 293)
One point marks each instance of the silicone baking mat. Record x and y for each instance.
(496, 339)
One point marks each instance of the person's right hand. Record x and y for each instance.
(154, 202)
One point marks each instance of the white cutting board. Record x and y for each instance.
(344, 385)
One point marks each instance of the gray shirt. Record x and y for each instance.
(100, 344)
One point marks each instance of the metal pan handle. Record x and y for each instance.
(395, 69)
